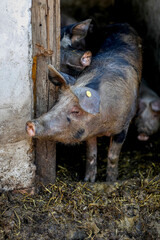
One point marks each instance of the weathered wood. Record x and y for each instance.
(46, 49)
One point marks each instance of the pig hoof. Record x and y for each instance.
(112, 174)
(90, 178)
(30, 129)
(111, 179)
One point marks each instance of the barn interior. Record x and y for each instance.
(70, 208)
(144, 17)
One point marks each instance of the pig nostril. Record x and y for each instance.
(30, 128)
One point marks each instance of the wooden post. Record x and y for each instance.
(46, 50)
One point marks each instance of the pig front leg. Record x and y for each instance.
(116, 143)
(91, 161)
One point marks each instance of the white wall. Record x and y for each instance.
(16, 167)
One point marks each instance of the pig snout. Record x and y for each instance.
(143, 137)
(86, 59)
(30, 128)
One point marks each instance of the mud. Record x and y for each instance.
(72, 209)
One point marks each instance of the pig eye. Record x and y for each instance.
(68, 119)
(76, 111)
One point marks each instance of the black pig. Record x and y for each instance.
(82, 36)
(73, 61)
(101, 102)
(74, 57)
(148, 115)
(74, 35)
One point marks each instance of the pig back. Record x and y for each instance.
(115, 72)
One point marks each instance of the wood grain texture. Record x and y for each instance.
(46, 50)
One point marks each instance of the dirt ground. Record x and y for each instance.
(73, 210)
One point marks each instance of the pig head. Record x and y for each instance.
(74, 61)
(74, 35)
(74, 56)
(73, 118)
(148, 115)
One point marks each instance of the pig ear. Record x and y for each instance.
(89, 99)
(58, 78)
(155, 105)
(86, 59)
(79, 30)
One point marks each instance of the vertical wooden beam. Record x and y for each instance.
(46, 49)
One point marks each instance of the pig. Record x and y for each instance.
(74, 35)
(147, 120)
(101, 102)
(82, 36)
(73, 61)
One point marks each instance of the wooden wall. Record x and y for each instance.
(46, 50)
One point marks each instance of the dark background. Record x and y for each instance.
(143, 15)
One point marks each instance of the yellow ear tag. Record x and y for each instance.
(89, 94)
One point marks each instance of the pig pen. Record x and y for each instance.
(72, 209)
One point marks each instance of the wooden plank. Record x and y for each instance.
(46, 50)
